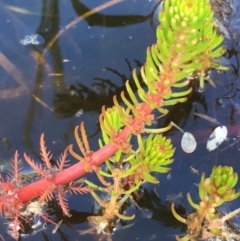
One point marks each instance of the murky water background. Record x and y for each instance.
(80, 72)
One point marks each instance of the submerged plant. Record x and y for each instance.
(187, 45)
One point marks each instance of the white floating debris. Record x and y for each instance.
(174, 198)
(188, 142)
(217, 137)
(33, 39)
(66, 60)
(79, 113)
(55, 74)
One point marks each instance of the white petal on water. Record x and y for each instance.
(188, 142)
(217, 137)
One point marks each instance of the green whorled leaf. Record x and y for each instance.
(181, 6)
(167, 162)
(160, 169)
(174, 101)
(166, 156)
(100, 143)
(218, 170)
(182, 74)
(165, 22)
(166, 8)
(142, 94)
(164, 50)
(111, 121)
(192, 66)
(231, 180)
(148, 146)
(154, 154)
(158, 150)
(154, 54)
(219, 203)
(221, 190)
(218, 181)
(105, 174)
(216, 40)
(118, 156)
(109, 165)
(180, 219)
(218, 53)
(206, 13)
(130, 171)
(171, 12)
(130, 93)
(173, 23)
(229, 196)
(133, 188)
(198, 50)
(106, 138)
(136, 81)
(149, 70)
(182, 93)
(162, 38)
(236, 195)
(181, 84)
(224, 178)
(208, 189)
(234, 182)
(229, 170)
(161, 57)
(209, 33)
(149, 178)
(170, 37)
(154, 161)
(202, 192)
(189, 198)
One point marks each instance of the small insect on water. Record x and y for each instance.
(193, 170)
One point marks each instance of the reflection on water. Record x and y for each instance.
(77, 67)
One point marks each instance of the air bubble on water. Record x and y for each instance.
(34, 39)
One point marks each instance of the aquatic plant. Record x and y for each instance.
(205, 222)
(187, 45)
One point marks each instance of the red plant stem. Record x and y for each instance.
(68, 175)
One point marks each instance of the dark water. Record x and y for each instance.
(80, 71)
